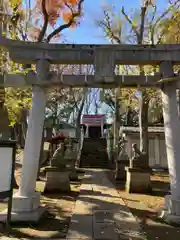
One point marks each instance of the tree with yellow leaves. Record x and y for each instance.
(41, 21)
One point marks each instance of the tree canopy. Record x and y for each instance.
(41, 20)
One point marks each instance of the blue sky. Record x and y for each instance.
(87, 32)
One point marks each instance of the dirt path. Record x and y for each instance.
(145, 207)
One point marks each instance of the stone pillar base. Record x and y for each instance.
(57, 180)
(171, 211)
(138, 180)
(24, 209)
(120, 173)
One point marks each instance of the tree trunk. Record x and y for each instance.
(144, 102)
(78, 119)
(143, 123)
(143, 119)
(116, 125)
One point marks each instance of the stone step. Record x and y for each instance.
(94, 154)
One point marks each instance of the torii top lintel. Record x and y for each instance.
(30, 52)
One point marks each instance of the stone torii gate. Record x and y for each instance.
(26, 202)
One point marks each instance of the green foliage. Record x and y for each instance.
(170, 27)
(16, 100)
(21, 26)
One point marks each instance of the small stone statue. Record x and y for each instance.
(122, 153)
(58, 159)
(139, 159)
(68, 153)
(122, 161)
(138, 174)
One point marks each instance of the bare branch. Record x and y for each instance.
(106, 25)
(151, 24)
(141, 30)
(70, 8)
(154, 14)
(46, 19)
(133, 26)
(171, 2)
(23, 35)
(66, 25)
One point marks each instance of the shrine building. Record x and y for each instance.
(94, 125)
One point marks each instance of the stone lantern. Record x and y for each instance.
(138, 178)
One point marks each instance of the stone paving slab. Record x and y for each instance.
(80, 227)
(105, 231)
(100, 213)
(103, 217)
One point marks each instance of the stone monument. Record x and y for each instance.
(71, 157)
(122, 162)
(138, 174)
(57, 175)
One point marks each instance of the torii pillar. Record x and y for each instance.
(171, 213)
(26, 202)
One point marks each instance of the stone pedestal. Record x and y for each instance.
(70, 157)
(120, 174)
(138, 180)
(57, 180)
(25, 209)
(121, 163)
(73, 176)
(138, 174)
(171, 211)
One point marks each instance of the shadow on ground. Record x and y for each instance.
(55, 224)
(145, 207)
